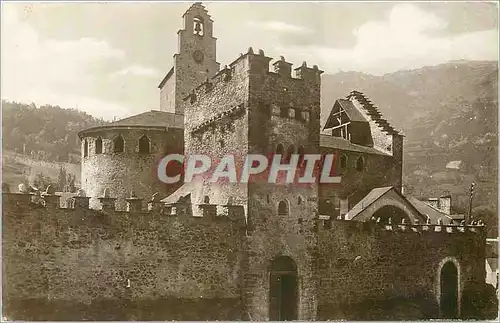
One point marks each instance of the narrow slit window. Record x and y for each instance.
(85, 148)
(98, 146)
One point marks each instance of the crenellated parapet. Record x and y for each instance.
(374, 226)
(256, 64)
(22, 202)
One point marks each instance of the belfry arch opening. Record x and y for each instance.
(198, 26)
(448, 298)
(283, 289)
(391, 214)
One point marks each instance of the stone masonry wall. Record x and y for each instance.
(190, 73)
(216, 124)
(167, 94)
(70, 264)
(282, 110)
(379, 171)
(369, 273)
(128, 171)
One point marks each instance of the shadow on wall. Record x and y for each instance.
(479, 302)
(123, 309)
(394, 309)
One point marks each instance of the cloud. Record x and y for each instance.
(49, 71)
(279, 26)
(137, 70)
(404, 40)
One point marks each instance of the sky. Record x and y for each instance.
(108, 59)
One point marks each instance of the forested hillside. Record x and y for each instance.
(46, 133)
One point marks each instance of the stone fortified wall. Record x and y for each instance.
(79, 263)
(164, 264)
(373, 272)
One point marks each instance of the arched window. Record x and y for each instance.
(98, 145)
(283, 208)
(206, 199)
(360, 164)
(198, 26)
(144, 145)
(343, 161)
(118, 144)
(279, 149)
(85, 148)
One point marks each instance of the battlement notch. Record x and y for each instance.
(376, 226)
(107, 202)
(134, 203)
(282, 67)
(81, 200)
(308, 74)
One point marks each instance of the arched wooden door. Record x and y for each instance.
(449, 291)
(283, 290)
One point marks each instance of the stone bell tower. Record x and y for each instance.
(194, 62)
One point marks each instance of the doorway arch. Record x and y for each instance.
(283, 289)
(449, 289)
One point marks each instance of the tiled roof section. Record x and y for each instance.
(192, 188)
(152, 118)
(330, 141)
(353, 113)
(165, 79)
(427, 210)
(371, 197)
(372, 111)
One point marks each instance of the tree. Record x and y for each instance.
(41, 181)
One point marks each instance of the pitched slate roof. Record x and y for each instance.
(373, 196)
(433, 214)
(330, 141)
(165, 79)
(352, 112)
(149, 119)
(366, 201)
(152, 118)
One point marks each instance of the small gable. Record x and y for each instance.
(385, 204)
(347, 122)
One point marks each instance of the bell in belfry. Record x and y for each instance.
(197, 27)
